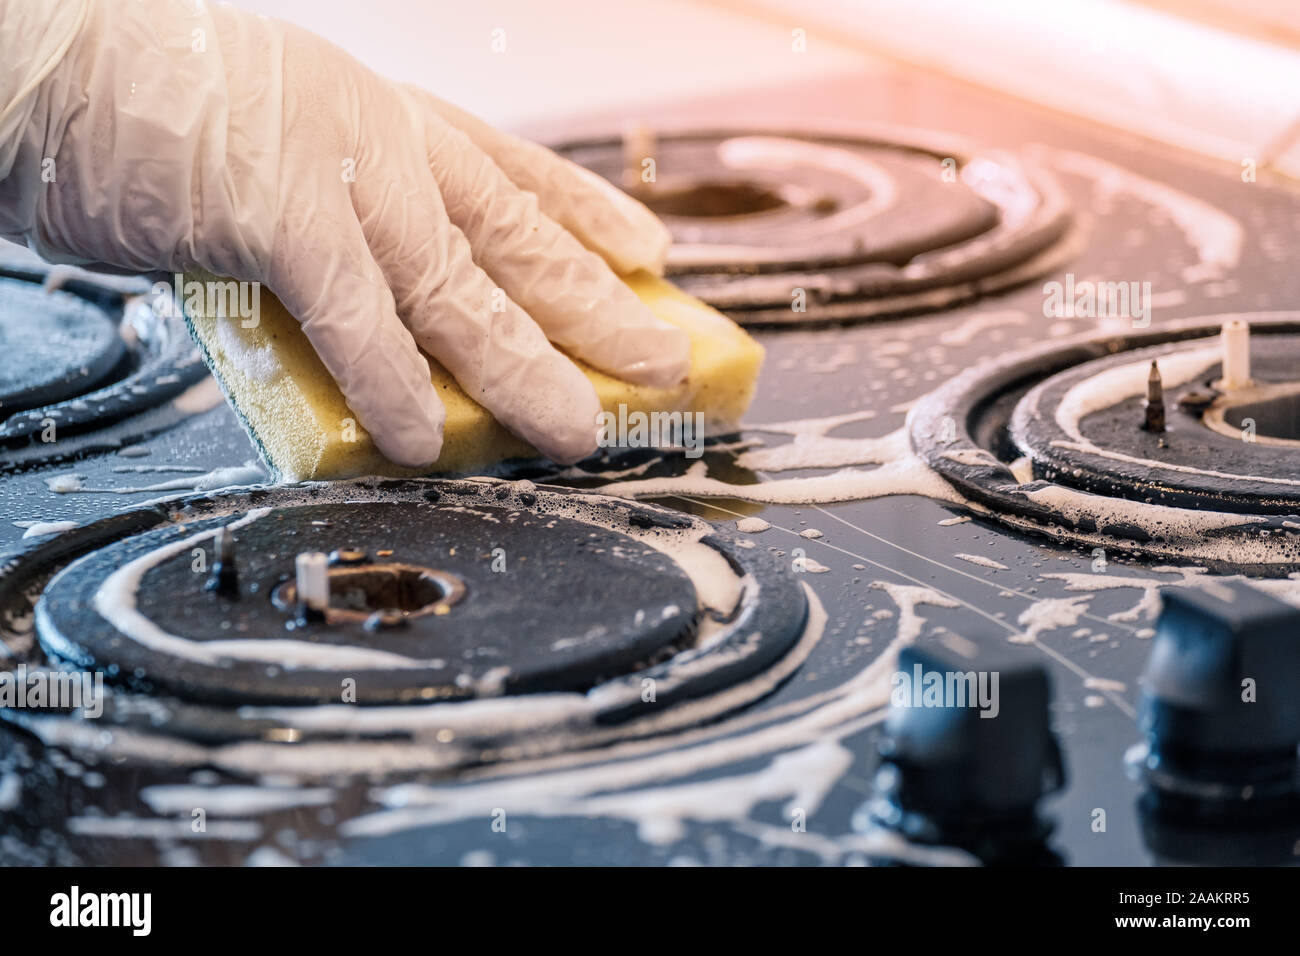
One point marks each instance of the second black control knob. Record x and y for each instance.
(967, 755)
(1220, 707)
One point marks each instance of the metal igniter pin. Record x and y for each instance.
(224, 579)
(1154, 416)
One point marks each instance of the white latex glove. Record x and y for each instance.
(188, 134)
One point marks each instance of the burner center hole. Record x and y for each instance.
(390, 587)
(356, 592)
(1276, 416)
(712, 199)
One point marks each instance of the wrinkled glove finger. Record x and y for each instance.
(323, 272)
(603, 217)
(569, 291)
(459, 316)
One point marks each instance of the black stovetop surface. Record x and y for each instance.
(727, 786)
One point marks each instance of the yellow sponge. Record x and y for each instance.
(305, 430)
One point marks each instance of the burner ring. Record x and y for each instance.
(66, 346)
(136, 383)
(736, 658)
(966, 432)
(1198, 461)
(781, 227)
(562, 612)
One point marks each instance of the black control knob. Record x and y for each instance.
(1220, 715)
(967, 754)
(1221, 694)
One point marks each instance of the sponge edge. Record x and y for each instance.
(304, 429)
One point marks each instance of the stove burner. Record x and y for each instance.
(1189, 463)
(567, 604)
(601, 617)
(781, 228)
(1057, 441)
(103, 289)
(60, 346)
(86, 372)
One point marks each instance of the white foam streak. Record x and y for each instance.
(907, 476)
(1216, 236)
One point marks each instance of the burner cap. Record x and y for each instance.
(605, 619)
(57, 345)
(456, 601)
(790, 227)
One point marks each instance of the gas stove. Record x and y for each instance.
(961, 460)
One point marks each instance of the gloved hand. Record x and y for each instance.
(186, 134)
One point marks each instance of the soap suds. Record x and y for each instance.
(65, 484)
(1165, 529)
(143, 828)
(231, 801)
(909, 597)
(1182, 526)
(1216, 237)
(258, 362)
(11, 790)
(157, 469)
(1101, 683)
(909, 476)
(982, 561)
(1049, 615)
(39, 529)
(1285, 589)
(268, 856)
(812, 426)
(246, 474)
(661, 813)
(965, 333)
(822, 451)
